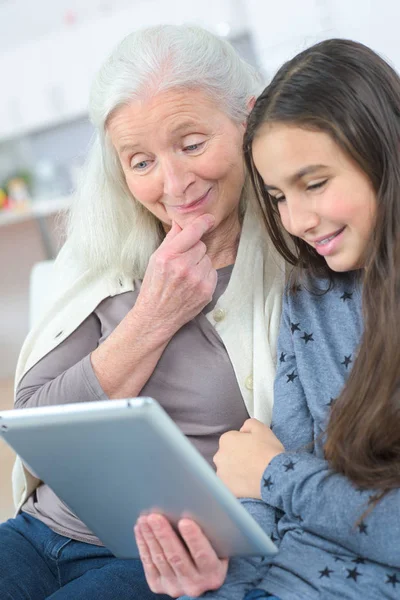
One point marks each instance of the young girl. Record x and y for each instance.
(322, 146)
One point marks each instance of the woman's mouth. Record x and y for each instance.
(191, 206)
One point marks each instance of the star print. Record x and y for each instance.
(295, 327)
(289, 466)
(298, 518)
(326, 573)
(359, 560)
(363, 528)
(353, 574)
(268, 483)
(347, 361)
(337, 559)
(392, 579)
(307, 337)
(297, 288)
(331, 402)
(282, 357)
(291, 377)
(346, 296)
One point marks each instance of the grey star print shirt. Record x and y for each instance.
(328, 546)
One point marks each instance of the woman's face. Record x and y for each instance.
(181, 156)
(323, 197)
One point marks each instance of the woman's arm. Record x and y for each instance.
(179, 282)
(65, 374)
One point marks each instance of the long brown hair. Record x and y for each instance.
(344, 89)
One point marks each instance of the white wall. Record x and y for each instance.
(281, 29)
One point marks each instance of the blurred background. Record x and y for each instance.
(49, 53)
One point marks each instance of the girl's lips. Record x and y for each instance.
(327, 248)
(184, 208)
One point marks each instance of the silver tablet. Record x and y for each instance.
(111, 461)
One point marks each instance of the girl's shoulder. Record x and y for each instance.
(311, 293)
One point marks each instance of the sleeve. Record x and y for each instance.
(304, 487)
(64, 375)
(328, 505)
(292, 422)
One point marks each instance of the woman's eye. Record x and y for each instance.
(141, 165)
(316, 186)
(193, 147)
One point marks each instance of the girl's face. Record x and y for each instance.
(323, 197)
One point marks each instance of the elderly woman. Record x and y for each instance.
(166, 287)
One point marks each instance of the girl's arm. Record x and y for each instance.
(304, 487)
(327, 504)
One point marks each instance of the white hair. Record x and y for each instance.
(107, 227)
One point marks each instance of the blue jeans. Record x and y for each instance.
(259, 594)
(36, 563)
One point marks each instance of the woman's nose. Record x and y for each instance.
(177, 178)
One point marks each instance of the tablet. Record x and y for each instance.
(111, 461)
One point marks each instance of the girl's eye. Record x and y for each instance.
(316, 186)
(278, 198)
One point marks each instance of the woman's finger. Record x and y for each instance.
(197, 253)
(174, 550)
(173, 232)
(151, 571)
(203, 555)
(190, 234)
(155, 551)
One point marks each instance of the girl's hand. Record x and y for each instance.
(243, 457)
(172, 569)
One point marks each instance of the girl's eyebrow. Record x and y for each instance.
(301, 173)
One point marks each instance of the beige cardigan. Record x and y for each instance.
(246, 317)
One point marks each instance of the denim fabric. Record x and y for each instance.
(259, 595)
(36, 563)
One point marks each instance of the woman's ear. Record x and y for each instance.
(250, 103)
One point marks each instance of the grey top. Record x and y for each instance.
(194, 381)
(330, 545)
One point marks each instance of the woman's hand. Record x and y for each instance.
(180, 279)
(243, 457)
(172, 569)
